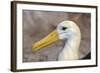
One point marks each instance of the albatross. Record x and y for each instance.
(67, 31)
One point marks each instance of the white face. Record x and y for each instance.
(67, 29)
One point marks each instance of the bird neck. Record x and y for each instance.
(71, 49)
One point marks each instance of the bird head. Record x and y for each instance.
(65, 30)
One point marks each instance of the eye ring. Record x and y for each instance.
(64, 28)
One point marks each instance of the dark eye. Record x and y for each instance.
(64, 28)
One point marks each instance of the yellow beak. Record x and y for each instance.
(48, 40)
